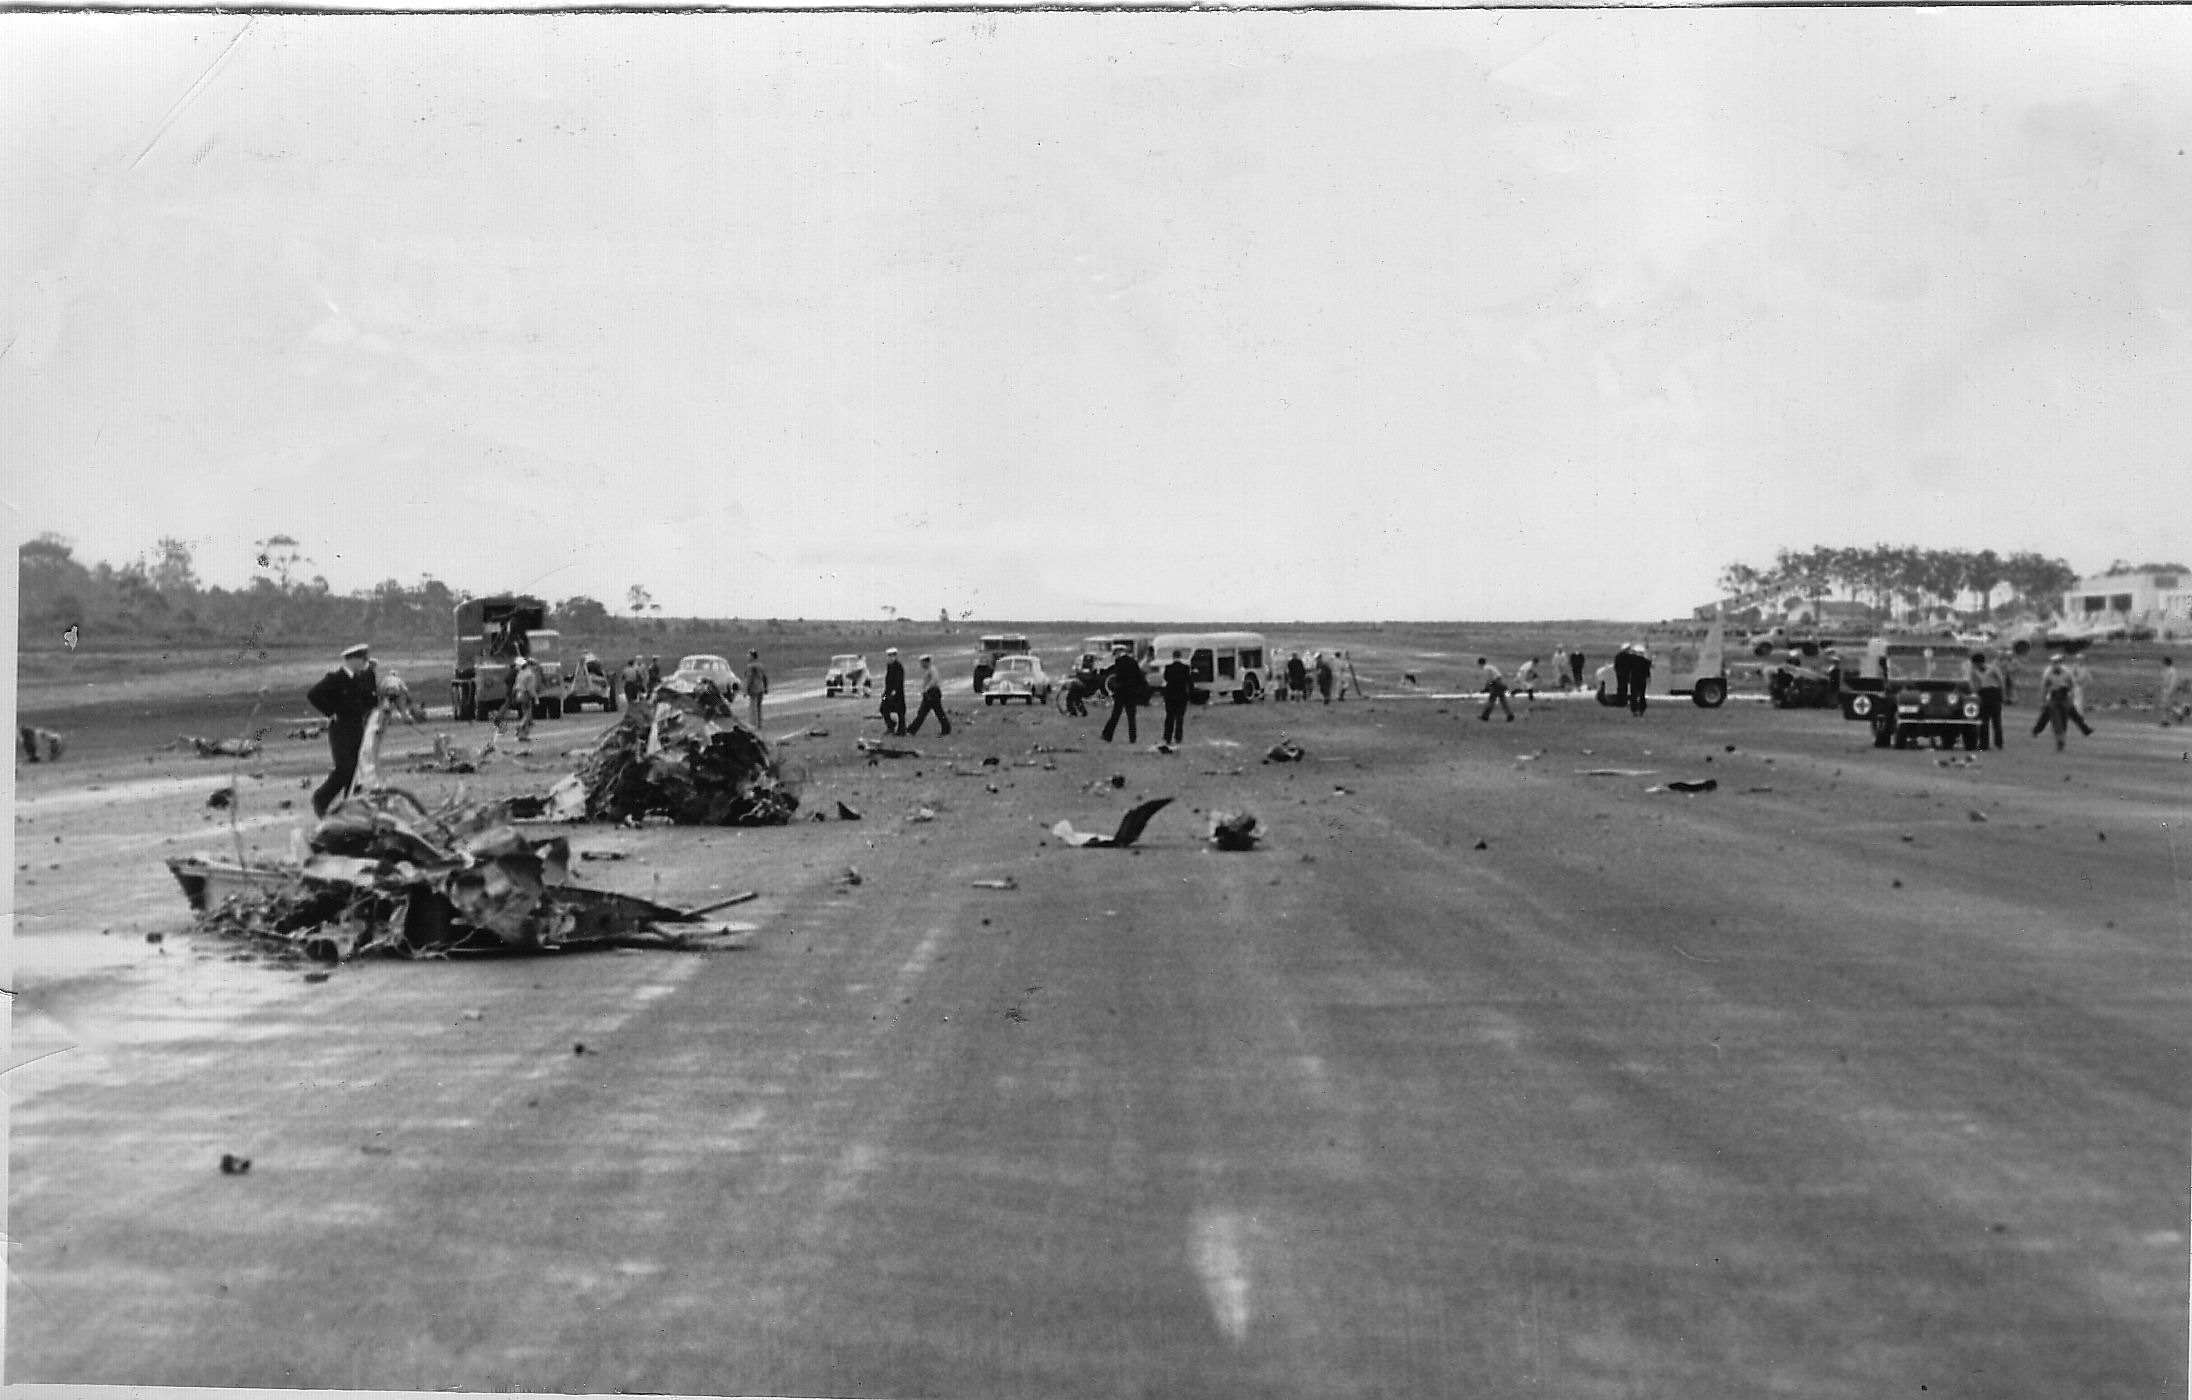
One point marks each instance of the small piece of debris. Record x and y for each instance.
(233, 1165)
(1483, 846)
(1234, 831)
(1007, 883)
(317, 976)
(579, 1048)
(1976, 815)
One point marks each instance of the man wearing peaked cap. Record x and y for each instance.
(346, 695)
(893, 708)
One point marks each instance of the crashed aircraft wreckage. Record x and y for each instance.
(415, 883)
(387, 874)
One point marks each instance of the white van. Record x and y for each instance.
(1228, 665)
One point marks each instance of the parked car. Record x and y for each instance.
(988, 651)
(1947, 712)
(1017, 676)
(848, 675)
(692, 670)
(591, 684)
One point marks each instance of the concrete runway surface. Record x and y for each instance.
(1863, 1075)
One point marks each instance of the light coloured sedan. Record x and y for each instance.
(1017, 676)
(692, 670)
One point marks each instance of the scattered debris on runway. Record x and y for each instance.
(1234, 831)
(693, 767)
(1130, 828)
(1285, 751)
(1007, 883)
(413, 883)
(1687, 785)
(218, 748)
(41, 745)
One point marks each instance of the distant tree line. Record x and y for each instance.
(1904, 578)
(158, 597)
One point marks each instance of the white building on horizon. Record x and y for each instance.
(2156, 598)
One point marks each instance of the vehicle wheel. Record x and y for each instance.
(989, 699)
(1251, 689)
(1711, 692)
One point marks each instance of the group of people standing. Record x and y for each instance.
(639, 676)
(1327, 674)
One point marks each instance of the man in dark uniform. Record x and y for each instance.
(1126, 693)
(894, 694)
(346, 695)
(1179, 682)
(1640, 676)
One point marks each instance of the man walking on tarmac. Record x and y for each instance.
(932, 698)
(1126, 693)
(757, 685)
(1495, 691)
(1179, 682)
(2058, 705)
(347, 696)
(893, 708)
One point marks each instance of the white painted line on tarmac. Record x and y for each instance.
(139, 790)
(1215, 1241)
(923, 955)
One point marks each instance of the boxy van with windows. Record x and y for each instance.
(1225, 665)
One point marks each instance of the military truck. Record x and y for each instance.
(493, 634)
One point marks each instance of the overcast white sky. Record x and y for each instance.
(1462, 315)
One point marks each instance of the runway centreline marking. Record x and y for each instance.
(1223, 1267)
(136, 790)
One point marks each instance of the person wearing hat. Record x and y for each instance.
(757, 685)
(525, 684)
(347, 695)
(932, 698)
(893, 708)
(2057, 686)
